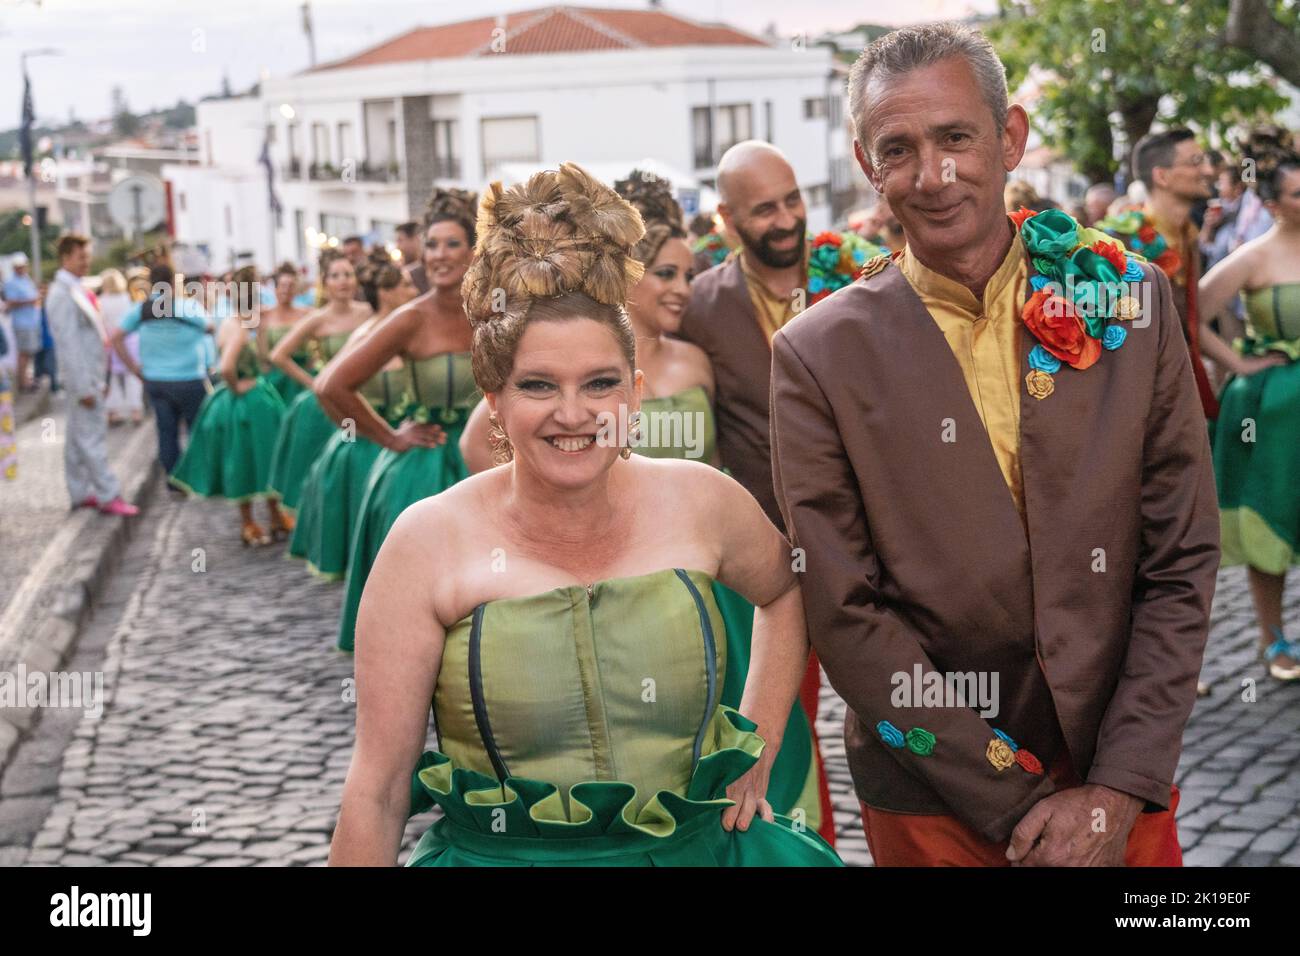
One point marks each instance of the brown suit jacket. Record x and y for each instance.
(418, 278)
(720, 319)
(916, 554)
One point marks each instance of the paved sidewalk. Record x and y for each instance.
(226, 735)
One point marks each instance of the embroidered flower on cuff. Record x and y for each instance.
(920, 742)
(890, 734)
(1028, 762)
(1010, 743)
(1000, 754)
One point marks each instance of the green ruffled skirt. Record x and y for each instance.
(303, 434)
(524, 822)
(330, 502)
(231, 446)
(1259, 479)
(396, 481)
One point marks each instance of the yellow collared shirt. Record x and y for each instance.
(985, 339)
(772, 310)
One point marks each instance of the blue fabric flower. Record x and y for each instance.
(859, 256)
(1043, 360)
(890, 734)
(1010, 743)
(1133, 271)
(816, 284)
(1037, 282)
(1114, 337)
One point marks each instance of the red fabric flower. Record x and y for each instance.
(1028, 761)
(1112, 253)
(827, 239)
(1020, 215)
(1169, 262)
(1054, 323)
(1147, 233)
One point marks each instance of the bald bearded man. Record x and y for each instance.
(735, 309)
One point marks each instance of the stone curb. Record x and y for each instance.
(72, 600)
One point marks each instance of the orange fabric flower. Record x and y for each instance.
(1147, 233)
(1112, 253)
(1020, 215)
(1169, 262)
(1054, 323)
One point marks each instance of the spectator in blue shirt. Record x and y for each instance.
(22, 301)
(173, 335)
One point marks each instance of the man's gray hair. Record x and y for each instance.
(910, 48)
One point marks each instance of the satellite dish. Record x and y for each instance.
(137, 204)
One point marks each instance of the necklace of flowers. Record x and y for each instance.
(835, 260)
(1073, 327)
(1143, 239)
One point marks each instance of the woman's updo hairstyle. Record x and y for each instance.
(653, 198)
(452, 205)
(556, 247)
(1272, 150)
(375, 274)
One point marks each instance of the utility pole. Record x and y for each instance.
(311, 36)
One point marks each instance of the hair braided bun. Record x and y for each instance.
(558, 245)
(653, 197)
(1272, 150)
(452, 205)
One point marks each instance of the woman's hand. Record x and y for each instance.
(1250, 364)
(415, 435)
(749, 794)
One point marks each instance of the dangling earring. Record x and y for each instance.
(633, 434)
(502, 450)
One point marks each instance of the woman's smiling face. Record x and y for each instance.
(569, 385)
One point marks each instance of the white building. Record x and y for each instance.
(358, 144)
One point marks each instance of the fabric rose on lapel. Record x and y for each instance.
(1051, 234)
(1059, 330)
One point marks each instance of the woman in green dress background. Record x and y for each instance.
(332, 492)
(323, 333)
(565, 626)
(274, 324)
(677, 421)
(431, 335)
(229, 451)
(1257, 437)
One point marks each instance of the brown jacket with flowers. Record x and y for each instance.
(1093, 614)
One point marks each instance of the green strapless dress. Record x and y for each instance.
(443, 392)
(289, 388)
(230, 447)
(303, 433)
(333, 489)
(585, 728)
(1257, 440)
(682, 425)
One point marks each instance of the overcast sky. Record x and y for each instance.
(148, 47)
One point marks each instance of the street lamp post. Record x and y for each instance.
(31, 175)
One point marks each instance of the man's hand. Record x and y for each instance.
(1082, 826)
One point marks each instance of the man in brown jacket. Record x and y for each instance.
(1009, 588)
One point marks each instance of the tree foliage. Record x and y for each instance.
(1106, 70)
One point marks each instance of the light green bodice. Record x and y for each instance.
(383, 392)
(247, 364)
(443, 384)
(273, 336)
(1273, 319)
(680, 425)
(570, 686)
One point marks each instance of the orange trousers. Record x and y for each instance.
(910, 839)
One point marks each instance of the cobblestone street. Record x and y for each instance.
(226, 737)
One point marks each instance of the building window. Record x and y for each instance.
(346, 151)
(716, 131)
(270, 133)
(337, 227)
(814, 107)
(837, 109)
(300, 234)
(769, 133)
(230, 224)
(509, 139)
(320, 144)
(446, 154)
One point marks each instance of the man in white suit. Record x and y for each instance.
(79, 339)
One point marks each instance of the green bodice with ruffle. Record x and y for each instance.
(680, 425)
(1273, 320)
(580, 724)
(247, 365)
(273, 336)
(384, 392)
(442, 388)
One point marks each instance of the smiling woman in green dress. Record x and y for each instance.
(564, 626)
(1257, 441)
(431, 334)
(274, 324)
(323, 333)
(334, 487)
